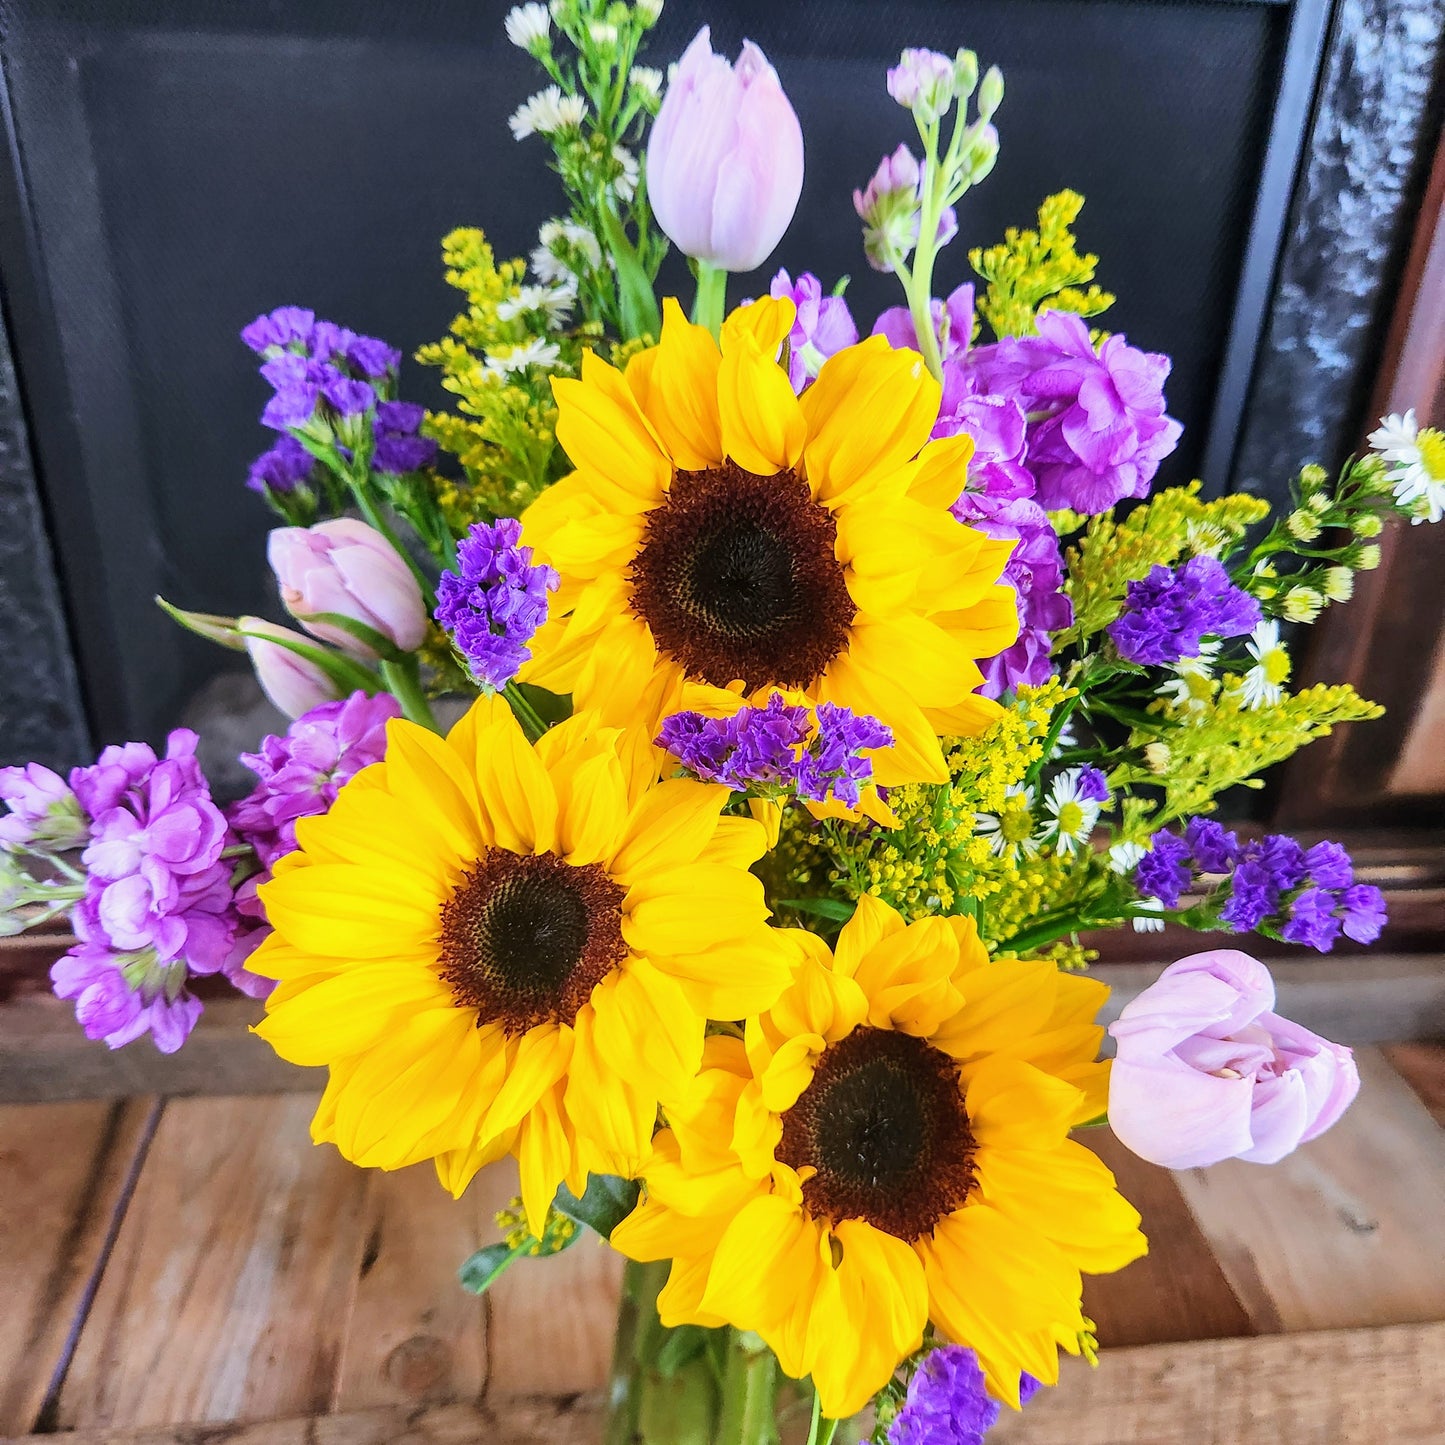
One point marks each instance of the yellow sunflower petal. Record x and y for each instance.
(1012, 1105)
(610, 1108)
(764, 323)
(821, 999)
(514, 792)
(729, 978)
(942, 471)
(602, 429)
(763, 429)
(669, 825)
(682, 397)
(535, 1062)
(915, 755)
(1007, 1000)
(581, 759)
(766, 1253)
(341, 911)
(907, 978)
(690, 908)
(646, 1030)
(653, 1231)
(873, 920)
(422, 768)
(915, 655)
(544, 1157)
(869, 411)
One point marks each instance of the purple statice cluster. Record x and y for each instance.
(1168, 614)
(1097, 429)
(1272, 884)
(779, 748)
(157, 906)
(299, 776)
(823, 326)
(947, 1402)
(327, 380)
(494, 601)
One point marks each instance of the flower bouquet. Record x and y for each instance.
(812, 700)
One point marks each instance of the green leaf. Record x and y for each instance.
(833, 909)
(488, 1265)
(378, 642)
(604, 1204)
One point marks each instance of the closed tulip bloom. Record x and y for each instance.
(1207, 1071)
(725, 163)
(347, 568)
(293, 683)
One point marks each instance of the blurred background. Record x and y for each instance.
(1258, 175)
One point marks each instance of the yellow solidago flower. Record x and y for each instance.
(722, 538)
(888, 1147)
(501, 949)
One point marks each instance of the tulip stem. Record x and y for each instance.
(404, 684)
(712, 297)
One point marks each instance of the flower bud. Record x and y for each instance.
(1367, 524)
(965, 73)
(529, 28)
(1302, 604)
(1369, 556)
(1302, 525)
(1157, 757)
(1339, 584)
(350, 569)
(923, 81)
(990, 92)
(293, 683)
(725, 162)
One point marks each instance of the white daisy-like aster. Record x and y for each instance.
(1072, 809)
(1010, 831)
(1149, 925)
(1124, 857)
(546, 113)
(1416, 458)
(1189, 687)
(646, 79)
(555, 302)
(1263, 684)
(535, 352)
(626, 184)
(528, 25)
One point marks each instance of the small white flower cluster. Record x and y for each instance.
(1071, 819)
(553, 303)
(558, 239)
(547, 113)
(535, 352)
(529, 26)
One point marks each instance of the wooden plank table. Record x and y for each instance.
(184, 1269)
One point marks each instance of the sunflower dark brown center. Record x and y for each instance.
(738, 579)
(525, 939)
(884, 1126)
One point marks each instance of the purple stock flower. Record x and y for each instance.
(777, 747)
(923, 80)
(1168, 614)
(109, 1009)
(953, 324)
(1163, 872)
(281, 469)
(823, 326)
(948, 1403)
(891, 209)
(1364, 912)
(999, 501)
(398, 447)
(1312, 920)
(1215, 849)
(301, 773)
(494, 601)
(44, 812)
(1103, 431)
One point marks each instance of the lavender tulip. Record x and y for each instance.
(725, 162)
(347, 568)
(1206, 1071)
(293, 683)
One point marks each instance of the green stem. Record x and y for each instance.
(373, 515)
(710, 303)
(638, 1334)
(532, 724)
(404, 684)
(749, 1394)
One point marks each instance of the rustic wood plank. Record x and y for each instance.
(1347, 1230)
(227, 1293)
(1422, 1066)
(552, 1321)
(1178, 1290)
(1334, 1387)
(519, 1422)
(45, 1056)
(415, 1335)
(1384, 1386)
(66, 1169)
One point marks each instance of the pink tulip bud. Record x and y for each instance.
(1205, 1071)
(725, 163)
(348, 568)
(293, 683)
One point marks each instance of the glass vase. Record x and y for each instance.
(688, 1386)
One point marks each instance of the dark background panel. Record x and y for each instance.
(180, 167)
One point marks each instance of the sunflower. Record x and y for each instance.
(888, 1146)
(499, 948)
(722, 538)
